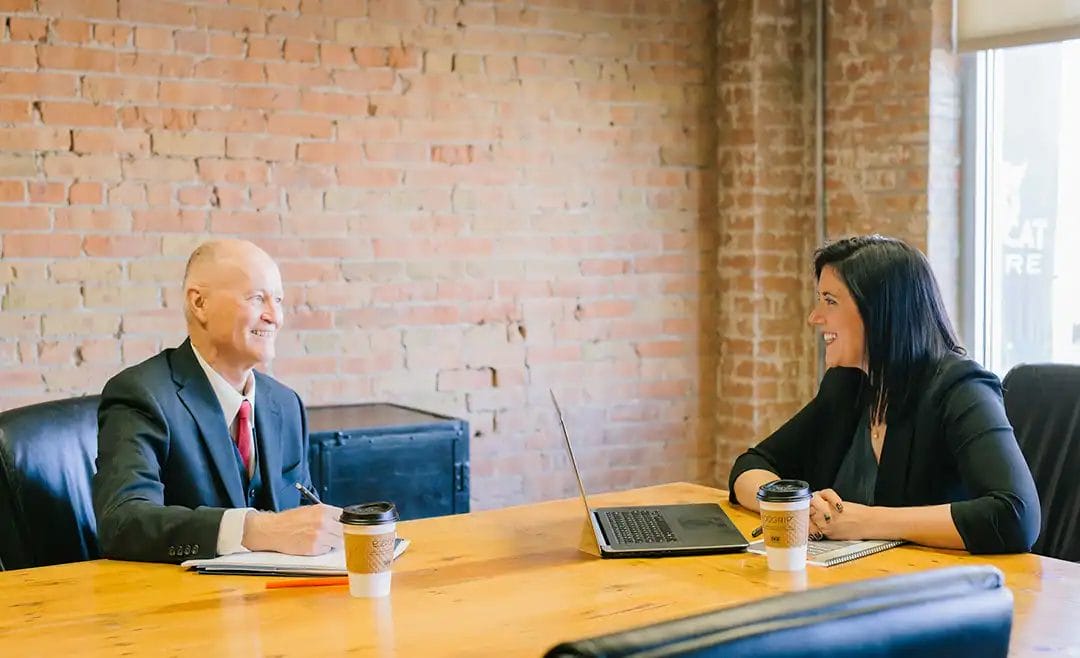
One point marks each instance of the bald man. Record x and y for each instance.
(198, 453)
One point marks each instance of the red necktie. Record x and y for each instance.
(243, 434)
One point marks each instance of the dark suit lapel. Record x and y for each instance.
(196, 394)
(895, 468)
(839, 417)
(895, 459)
(268, 437)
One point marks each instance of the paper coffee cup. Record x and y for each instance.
(785, 523)
(370, 530)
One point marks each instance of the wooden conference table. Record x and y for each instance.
(509, 582)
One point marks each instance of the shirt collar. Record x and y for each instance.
(228, 397)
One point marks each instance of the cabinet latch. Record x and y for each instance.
(461, 475)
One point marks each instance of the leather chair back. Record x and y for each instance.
(960, 611)
(1043, 405)
(47, 454)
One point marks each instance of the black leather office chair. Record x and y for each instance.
(47, 454)
(1043, 405)
(960, 611)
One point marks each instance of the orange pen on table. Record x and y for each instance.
(321, 581)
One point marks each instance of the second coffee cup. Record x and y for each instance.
(785, 523)
(370, 530)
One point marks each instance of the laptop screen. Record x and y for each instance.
(570, 450)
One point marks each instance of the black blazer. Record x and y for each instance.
(166, 466)
(956, 447)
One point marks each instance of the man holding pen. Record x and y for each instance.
(193, 442)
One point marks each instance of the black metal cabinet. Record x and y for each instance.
(365, 452)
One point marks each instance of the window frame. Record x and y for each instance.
(975, 228)
(982, 274)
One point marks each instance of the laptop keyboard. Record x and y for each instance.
(640, 526)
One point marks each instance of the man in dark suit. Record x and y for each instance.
(193, 442)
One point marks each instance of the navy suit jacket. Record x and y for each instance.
(166, 465)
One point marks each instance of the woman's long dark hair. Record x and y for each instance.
(904, 319)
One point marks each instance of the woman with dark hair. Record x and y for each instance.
(906, 438)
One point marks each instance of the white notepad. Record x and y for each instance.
(828, 552)
(266, 563)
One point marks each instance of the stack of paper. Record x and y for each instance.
(279, 564)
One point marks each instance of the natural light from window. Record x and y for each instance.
(1025, 202)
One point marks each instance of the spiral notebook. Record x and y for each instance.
(828, 553)
(261, 563)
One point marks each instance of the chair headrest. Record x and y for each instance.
(955, 611)
(1041, 403)
(47, 454)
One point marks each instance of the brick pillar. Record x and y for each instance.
(943, 177)
(891, 165)
(876, 119)
(892, 127)
(765, 204)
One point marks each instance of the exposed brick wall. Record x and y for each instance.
(470, 202)
(891, 166)
(765, 165)
(943, 169)
(877, 117)
(892, 128)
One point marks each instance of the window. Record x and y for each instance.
(1021, 205)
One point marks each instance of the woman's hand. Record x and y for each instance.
(824, 505)
(832, 518)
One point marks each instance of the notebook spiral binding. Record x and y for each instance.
(869, 550)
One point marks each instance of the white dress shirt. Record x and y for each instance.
(231, 530)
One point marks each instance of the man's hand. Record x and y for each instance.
(310, 530)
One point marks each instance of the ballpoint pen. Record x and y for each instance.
(308, 493)
(756, 532)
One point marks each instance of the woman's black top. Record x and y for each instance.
(955, 446)
(858, 472)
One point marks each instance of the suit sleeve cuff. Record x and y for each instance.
(747, 461)
(231, 531)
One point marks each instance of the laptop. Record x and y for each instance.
(655, 530)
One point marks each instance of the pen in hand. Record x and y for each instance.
(308, 493)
